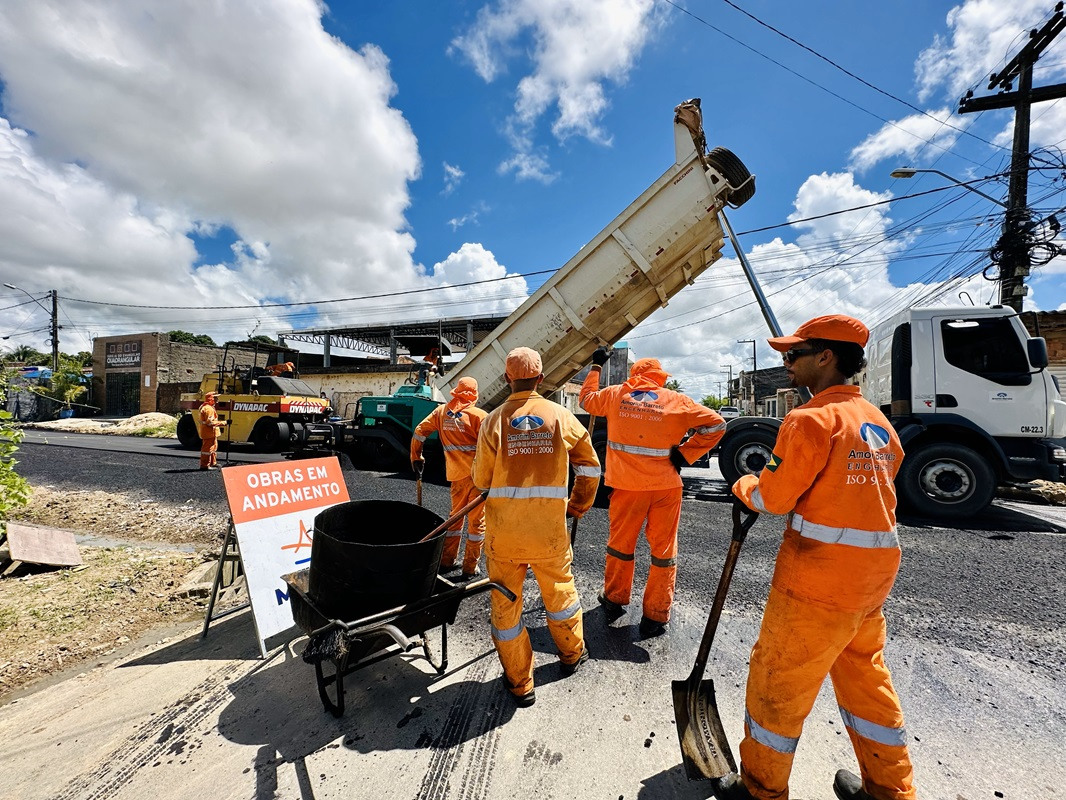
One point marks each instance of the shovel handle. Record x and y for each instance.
(573, 522)
(743, 519)
(462, 512)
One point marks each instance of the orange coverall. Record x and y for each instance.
(644, 421)
(831, 473)
(209, 425)
(522, 458)
(457, 423)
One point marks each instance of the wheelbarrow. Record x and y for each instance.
(372, 591)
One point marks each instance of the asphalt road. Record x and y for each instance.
(977, 627)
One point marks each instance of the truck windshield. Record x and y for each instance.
(986, 347)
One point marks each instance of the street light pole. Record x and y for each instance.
(54, 313)
(910, 172)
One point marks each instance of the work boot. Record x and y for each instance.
(570, 669)
(469, 576)
(651, 627)
(848, 786)
(521, 700)
(205, 469)
(612, 609)
(730, 787)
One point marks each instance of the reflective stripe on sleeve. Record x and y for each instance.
(893, 737)
(850, 536)
(566, 613)
(711, 429)
(454, 534)
(509, 634)
(636, 450)
(466, 448)
(663, 562)
(620, 556)
(775, 741)
(475, 537)
(756, 500)
(587, 472)
(529, 492)
(420, 438)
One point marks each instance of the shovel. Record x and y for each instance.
(573, 522)
(419, 466)
(462, 512)
(704, 747)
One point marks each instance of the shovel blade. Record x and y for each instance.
(704, 746)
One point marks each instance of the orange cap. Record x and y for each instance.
(834, 327)
(642, 365)
(522, 363)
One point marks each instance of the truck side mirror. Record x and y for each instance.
(1036, 349)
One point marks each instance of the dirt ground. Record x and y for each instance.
(52, 620)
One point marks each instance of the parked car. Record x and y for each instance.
(729, 412)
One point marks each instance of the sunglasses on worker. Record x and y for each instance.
(791, 355)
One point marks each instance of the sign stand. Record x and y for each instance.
(231, 551)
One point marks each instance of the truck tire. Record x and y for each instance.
(270, 436)
(188, 434)
(733, 170)
(945, 481)
(745, 453)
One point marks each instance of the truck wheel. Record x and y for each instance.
(745, 454)
(270, 436)
(188, 434)
(946, 480)
(733, 170)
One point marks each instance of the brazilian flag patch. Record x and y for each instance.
(774, 462)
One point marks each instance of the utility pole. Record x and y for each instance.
(55, 330)
(729, 386)
(754, 369)
(1012, 253)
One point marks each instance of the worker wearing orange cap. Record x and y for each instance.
(645, 425)
(209, 425)
(457, 423)
(523, 457)
(832, 474)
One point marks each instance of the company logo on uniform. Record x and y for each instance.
(774, 462)
(644, 397)
(875, 436)
(455, 414)
(527, 422)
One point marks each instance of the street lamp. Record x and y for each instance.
(55, 320)
(910, 172)
(1014, 263)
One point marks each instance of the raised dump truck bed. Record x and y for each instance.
(663, 241)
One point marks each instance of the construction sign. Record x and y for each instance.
(273, 507)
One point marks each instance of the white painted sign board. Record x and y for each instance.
(273, 507)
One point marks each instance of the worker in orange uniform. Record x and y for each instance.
(832, 474)
(523, 454)
(457, 423)
(645, 425)
(209, 425)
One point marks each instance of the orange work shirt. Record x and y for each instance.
(458, 431)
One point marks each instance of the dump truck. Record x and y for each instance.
(264, 401)
(652, 250)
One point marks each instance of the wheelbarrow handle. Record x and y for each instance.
(458, 515)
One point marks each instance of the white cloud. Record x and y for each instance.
(575, 46)
(453, 176)
(473, 263)
(907, 137)
(985, 34)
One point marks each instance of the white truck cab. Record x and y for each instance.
(968, 391)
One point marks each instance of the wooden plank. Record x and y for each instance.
(40, 545)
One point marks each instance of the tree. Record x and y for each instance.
(673, 384)
(713, 402)
(184, 337)
(67, 383)
(83, 357)
(261, 338)
(14, 491)
(28, 355)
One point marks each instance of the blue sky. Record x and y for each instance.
(178, 154)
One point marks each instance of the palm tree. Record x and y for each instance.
(27, 354)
